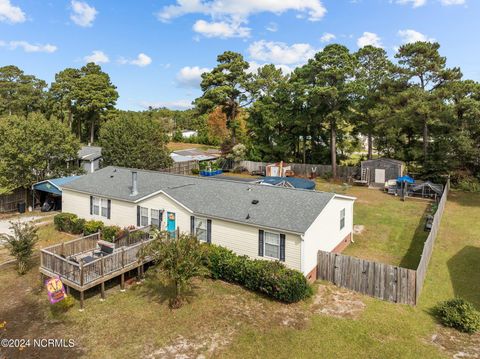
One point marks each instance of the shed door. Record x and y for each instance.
(379, 175)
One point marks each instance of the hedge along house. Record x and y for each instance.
(262, 222)
(376, 172)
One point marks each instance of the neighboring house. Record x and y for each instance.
(189, 133)
(262, 222)
(193, 154)
(90, 158)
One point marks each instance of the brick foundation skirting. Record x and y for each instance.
(312, 275)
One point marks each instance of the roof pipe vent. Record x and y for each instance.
(134, 184)
(255, 201)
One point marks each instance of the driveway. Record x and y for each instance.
(5, 224)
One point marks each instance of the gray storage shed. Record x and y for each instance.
(376, 172)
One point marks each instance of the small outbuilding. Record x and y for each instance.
(378, 171)
(48, 194)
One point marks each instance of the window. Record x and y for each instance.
(96, 206)
(272, 245)
(155, 218)
(342, 219)
(201, 228)
(143, 216)
(104, 204)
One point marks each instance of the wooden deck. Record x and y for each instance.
(66, 260)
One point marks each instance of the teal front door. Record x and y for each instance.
(171, 225)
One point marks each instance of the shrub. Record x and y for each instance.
(109, 233)
(63, 221)
(92, 227)
(63, 306)
(268, 277)
(459, 314)
(77, 226)
(195, 171)
(21, 243)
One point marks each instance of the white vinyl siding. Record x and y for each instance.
(272, 245)
(201, 228)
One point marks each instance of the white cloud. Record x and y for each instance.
(10, 13)
(452, 2)
(222, 29)
(191, 76)
(173, 105)
(281, 53)
(314, 9)
(410, 35)
(272, 27)
(327, 37)
(369, 38)
(28, 47)
(83, 14)
(98, 57)
(415, 3)
(142, 60)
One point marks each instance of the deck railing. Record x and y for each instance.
(54, 259)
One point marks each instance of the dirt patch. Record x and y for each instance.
(358, 229)
(337, 302)
(455, 344)
(198, 347)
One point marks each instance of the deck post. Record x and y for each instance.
(102, 271)
(81, 300)
(122, 282)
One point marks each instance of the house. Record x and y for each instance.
(193, 154)
(262, 222)
(189, 133)
(378, 171)
(90, 158)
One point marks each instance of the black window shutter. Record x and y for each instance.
(260, 243)
(192, 225)
(138, 216)
(109, 208)
(91, 204)
(209, 231)
(282, 247)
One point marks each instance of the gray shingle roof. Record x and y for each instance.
(90, 153)
(282, 208)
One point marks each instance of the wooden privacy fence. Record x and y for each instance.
(303, 169)
(383, 281)
(379, 280)
(428, 246)
(182, 168)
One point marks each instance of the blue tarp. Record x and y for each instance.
(301, 183)
(53, 185)
(406, 179)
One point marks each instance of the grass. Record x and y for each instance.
(393, 230)
(222, 320)
(176, 146)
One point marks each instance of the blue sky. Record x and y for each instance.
(155, 51)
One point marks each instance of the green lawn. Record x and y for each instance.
(393, 230)
(225, 321)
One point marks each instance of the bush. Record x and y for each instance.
(63, 306)
(63, 222)
(92, 227)
(109, 233)
(21, 243)
(195, 171)
(77, 226)
(459, 314)
(268, 277)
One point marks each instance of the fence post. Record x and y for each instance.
(102, 272)
(81, 285)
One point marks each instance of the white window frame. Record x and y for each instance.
(156, 217)
(142, 216)
(265, 235)
(100, 207)
(96, 206)
(103, 207)
(204, 236)
(342, 219)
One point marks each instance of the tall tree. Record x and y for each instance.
(227, 86)
(425, 69)
(34, 149)
(61, 97)
(373, 71)
(330, 78)
(20, 93)
(131, 140)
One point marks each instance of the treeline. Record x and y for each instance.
(414, 109)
